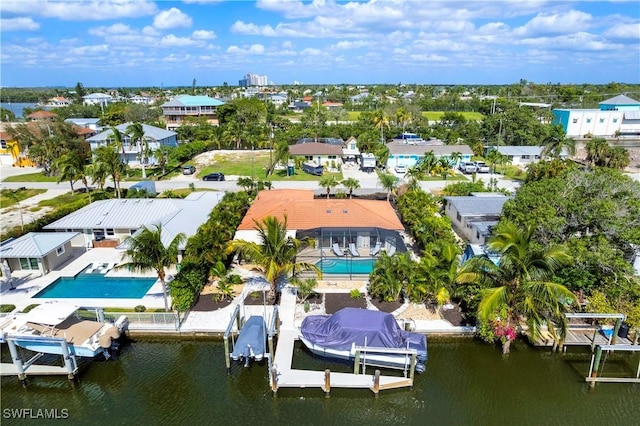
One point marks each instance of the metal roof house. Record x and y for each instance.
(183, 106)
(523, 155)
(617, 116)
(37, 252)
(106, 223)
(619, 103)
(154, 136)
(408, 155)
(474, 216)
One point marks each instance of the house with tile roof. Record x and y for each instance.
(107, 223)
(42, 116)
(37, 252)
(155, 137)
(334, 224)
(321, 153)
(177, 109)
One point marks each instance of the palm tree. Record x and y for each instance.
(428, 163)
(380, 121)
(118, 141)
(71, 167)
(276, 252)
(388, 182)
(520, 285)
(403, 117)
(328, 182)
(106, 160)
(146, 252)
(136, 133)
(456, 156)
(351, 184)
(556, 142)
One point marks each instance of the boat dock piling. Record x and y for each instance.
(283, 375)
(22, 368)
(235, 317)
(595, 367)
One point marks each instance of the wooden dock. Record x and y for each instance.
(283, 375)
(33, 370)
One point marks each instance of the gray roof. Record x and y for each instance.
(619, 100)
(34, 244)
(175, 215)
(82, 121)
(399, 148)
(150, 132)
(521, 150)
(478, 206)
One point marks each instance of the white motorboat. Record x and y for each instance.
(376, 335)
(41, 329)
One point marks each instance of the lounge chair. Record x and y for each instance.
(92, 267)
(107, 267)
(376, 249)
(337, 250)
(391, 250)
(353, 250)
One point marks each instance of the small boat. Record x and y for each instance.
(336, 336)
(251, 341)
(41, 329)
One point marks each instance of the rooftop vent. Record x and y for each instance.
(328, 210)
(345, 211)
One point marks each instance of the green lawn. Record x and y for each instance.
(31, 177)
(64, 200)
(238, 164)
(281, 175)
(10, 197)
(437, 115)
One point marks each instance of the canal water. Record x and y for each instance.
(184, 382)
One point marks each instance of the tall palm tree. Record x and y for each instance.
(105, 159)
(521, 285)
(380, 121)
(351, 184)
(403, 117)
(276, 253)
(388, 182)
(147, 252)
(118, 141)
(71, 168)
(428, 163)
(556, 142)
(456, 156)
(136, 133)
(328, 182)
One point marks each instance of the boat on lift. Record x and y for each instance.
(41, 329)
(377, 335)
(251, 343)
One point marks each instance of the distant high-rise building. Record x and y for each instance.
(253, 80)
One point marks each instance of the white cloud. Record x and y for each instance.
(111, 30)
(172, 18)
(92, 10)
(346, 45)
(310, 51)
(564, 23)
(254, 49)
(89, 50)
(203, 35)
(624, 31)
(241, 27)
(174, 41)
(577, 42)
(18, 24)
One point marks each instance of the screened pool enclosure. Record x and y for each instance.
(349, 251)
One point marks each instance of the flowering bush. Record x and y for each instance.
(497, 328)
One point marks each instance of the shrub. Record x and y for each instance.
(234, 279)
(6, 308)
(355, 294)
(140, 308)
(30, 307)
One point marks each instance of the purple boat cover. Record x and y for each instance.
(352, 325)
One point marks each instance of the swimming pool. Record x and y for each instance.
(346, 266)
(97, 286)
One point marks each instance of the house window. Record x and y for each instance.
(3, 144)
(526, 157)
(588, 120)
(615, 120)
(308, 157)
(602, 120)
(458, 217)
(332, 157)
(575, 120)
(132, 231)
(60, 250)
(27, 264)
(110, 232)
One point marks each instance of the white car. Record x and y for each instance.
(401, 168)
(482, 167)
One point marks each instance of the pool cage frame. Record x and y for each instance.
(364, 239)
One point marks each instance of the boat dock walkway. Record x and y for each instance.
(7, 369)
(283, 375)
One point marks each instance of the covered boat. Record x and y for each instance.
(337, 335)
(251, 341)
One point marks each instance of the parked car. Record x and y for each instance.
(188, 170)
(467, 167)
(214, 176)
(401, 168)
(481, 167)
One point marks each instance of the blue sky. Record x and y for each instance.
(120, 43)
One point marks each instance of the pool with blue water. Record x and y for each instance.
(346, 266)
(95, 285)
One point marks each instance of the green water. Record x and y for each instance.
(466, 383)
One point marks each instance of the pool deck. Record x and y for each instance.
(27, 286)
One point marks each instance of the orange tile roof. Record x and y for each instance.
(305, 212)
(42, 114)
